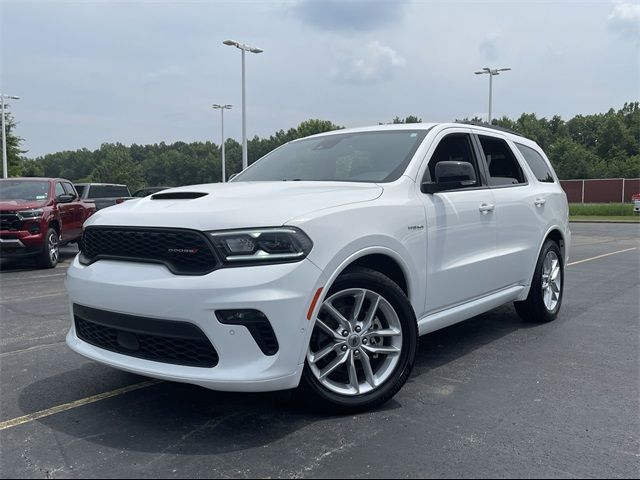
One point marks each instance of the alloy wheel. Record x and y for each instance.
(551, 280)
(52, 246)
(356, 342)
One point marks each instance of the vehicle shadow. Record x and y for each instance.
(172, 418)
(27, 264)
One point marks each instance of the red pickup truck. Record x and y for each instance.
(39, 214)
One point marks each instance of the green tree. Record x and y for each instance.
(586, 146)
(115, 165)
(408, 119)
(14, 152)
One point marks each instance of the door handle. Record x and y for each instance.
(540, 202)
(485, 208)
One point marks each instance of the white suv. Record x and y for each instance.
(320, 265)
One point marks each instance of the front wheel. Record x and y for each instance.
(50, 254)
(547, 287)
(363, 344)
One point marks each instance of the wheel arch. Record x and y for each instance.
(556, 234)
(55, 224)
(370, 257)
(385, 264)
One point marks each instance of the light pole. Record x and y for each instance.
(5, 169)
(491, 72)
(244, 48)
(222, 109)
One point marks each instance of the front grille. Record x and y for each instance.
(165, 341)
(184, 252)
(10, 221)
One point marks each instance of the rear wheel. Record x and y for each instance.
(50, 254)
(363, 344)
(547, 288)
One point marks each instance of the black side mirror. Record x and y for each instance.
(451, 176)
(65, 198)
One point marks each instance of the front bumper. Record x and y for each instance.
(20, 243)
(282, 292)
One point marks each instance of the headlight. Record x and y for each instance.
(30, 214)
(261, 245)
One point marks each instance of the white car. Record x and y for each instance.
(320, 265)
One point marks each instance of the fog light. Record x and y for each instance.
(34, 228)
(240, 317)
(258, 325)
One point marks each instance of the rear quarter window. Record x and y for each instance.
(537, 163)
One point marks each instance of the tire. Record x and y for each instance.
(541, 305)
(50, 254)
(353, 387)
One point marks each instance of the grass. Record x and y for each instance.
(602, 212)
(603, 219)
(601, 209)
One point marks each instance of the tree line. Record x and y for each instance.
(602, 145)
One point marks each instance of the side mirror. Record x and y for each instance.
(65, 198)
(451, 175)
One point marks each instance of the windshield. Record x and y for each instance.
(379, 156)
(34, 190)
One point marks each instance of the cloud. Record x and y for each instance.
(358, 15)
(489, 47)
(373, 64)
(171, 71)
(625, 20)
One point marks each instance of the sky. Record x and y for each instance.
(90, 72)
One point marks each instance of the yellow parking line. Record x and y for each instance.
(78, 403)
(601, 256)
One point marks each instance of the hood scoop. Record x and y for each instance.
(178, 195)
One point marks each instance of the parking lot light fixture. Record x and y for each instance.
(222, 108)
(491, 72)
(244, 48)
(5, 168)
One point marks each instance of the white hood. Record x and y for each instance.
(236, 205)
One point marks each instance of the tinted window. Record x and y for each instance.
(107, 191)
(456, 148)
(59, 189)
(343, 157)
(503, 166)
(24, 190)
(80, 189)
(537, 163)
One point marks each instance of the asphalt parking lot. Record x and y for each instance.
(491, 397)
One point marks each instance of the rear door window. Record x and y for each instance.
(504, 169)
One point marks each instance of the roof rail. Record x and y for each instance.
(488, 125)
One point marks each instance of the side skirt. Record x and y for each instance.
(459, 313)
